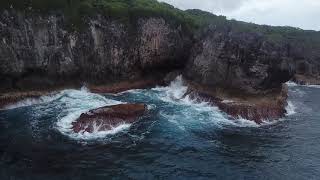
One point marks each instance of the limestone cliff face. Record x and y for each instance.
(38, 50)
(248, 61)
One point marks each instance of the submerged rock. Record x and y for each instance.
(106, 118)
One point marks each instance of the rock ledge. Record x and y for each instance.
(105, 118)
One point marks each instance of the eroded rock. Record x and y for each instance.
(306, 80)
(257, 108)
(108, 117)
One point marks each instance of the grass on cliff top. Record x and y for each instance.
(129, 11)
(125, 10)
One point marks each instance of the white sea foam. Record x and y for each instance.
(242, 122)
(290, 108)
(78, 102)
(293, 84)
(227, 101)
(41, 99)
(195, 110)
(74, 103)
(174, 92)
(33, 101)
(313, 86)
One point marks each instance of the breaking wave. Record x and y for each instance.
(71, 104)
(291, 109)
(172, 103)
(193, 110)
(293, 84)
(75, 103)
(33, 101)
(313, 86)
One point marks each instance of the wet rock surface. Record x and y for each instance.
(258, 108)
(11, 98)
(306, 80)
(125, 85)
(106, 118)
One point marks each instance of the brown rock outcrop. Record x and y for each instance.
(125, 85)
(306, 80)
(106, 118)
(258, 108)
(8, 99)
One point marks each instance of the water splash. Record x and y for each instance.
(193, 110)
(293, 84)
(174, 92)
(172, 102)
(75, 103)
(290, 108)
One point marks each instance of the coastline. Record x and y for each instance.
(257, 107)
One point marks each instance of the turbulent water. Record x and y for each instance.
(180, 138)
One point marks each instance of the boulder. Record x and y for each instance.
(105, 118)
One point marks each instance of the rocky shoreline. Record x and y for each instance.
(258, 108)
(306, 80)
(9, 98)
(114, 88)
(240, 72)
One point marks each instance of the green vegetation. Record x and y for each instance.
(129, 11)
(126, 10)
(277, 34)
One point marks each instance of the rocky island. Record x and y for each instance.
(106, 118)
(116, 46)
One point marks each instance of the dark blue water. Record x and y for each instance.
(178, 139)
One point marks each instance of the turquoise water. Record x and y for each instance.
(179, 138)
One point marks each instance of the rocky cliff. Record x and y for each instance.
(40, 51)
(243, 72)
(248, 61)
